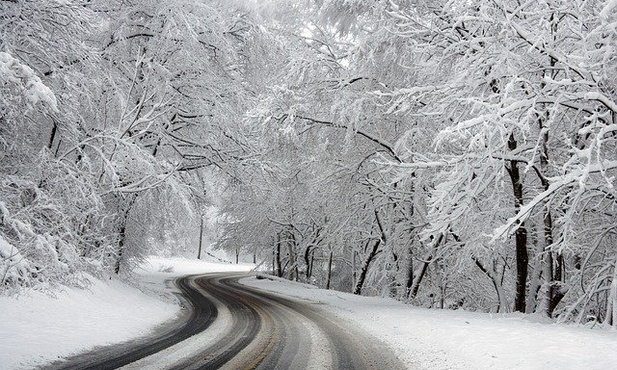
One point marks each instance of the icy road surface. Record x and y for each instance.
(256, 330)
(37, 328)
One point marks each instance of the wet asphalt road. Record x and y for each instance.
(232, 326)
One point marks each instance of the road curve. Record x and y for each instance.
(232, 326)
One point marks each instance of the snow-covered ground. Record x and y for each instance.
(457, 340)
(36, 328)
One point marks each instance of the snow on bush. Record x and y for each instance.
(13, 267)
(50, 228)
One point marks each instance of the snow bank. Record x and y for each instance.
(37, 328)
(458, 340)
(13, 266)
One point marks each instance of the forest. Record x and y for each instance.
(446, 153)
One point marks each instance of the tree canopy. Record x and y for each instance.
(444, 153)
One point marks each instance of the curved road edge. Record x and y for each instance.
(233, 326)
(198, 313)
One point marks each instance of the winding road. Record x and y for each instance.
(232, 326)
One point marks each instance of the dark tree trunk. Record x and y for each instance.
(122, 236)
(553, 261)
(293, 259)
(522, 257)
(498, 288)
(124, 218)
(52, 135)
(277, 256)
(364, 269)
(418, 279)
(329, 278)
(415, 286)
(307, 261)
(409, 282)
(201, 234)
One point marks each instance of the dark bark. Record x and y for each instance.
(415, 286)
(277, 256)
(498, 288)
(409, 282)
(293, 260)
(418, 279)
(124, 218)
(201, 234)
(373, 252)
(309, 252)
(553, 260)
(522, 257)
(555, 293)
(119, 255)
(52, 135)
(365, 265)
(329, 279)
(307, 261)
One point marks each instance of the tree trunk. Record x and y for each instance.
(201, 234)
(409, 278)
(611, 306)
(427, 260)
(307, 261)
(121, 235)
(52, 135)
(365, 266)
(124, 218)
(535, 276)
(364, 269)
(329, 278)
(277, 256)
(501, 296)
(293, 259)
(415, 287)
(522, 257)
(354, 274)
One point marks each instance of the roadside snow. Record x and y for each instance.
(458, 340)
(37, 328)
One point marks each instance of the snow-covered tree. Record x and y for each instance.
(482, 140)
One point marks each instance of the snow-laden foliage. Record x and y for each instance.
(110, 115)
(21, 86)
(43, 227)
(475, 143)
(43, 202)
(446, 153)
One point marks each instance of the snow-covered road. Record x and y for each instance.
(40, 327)
(263, 330)
(36, 328)
(256, 330)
